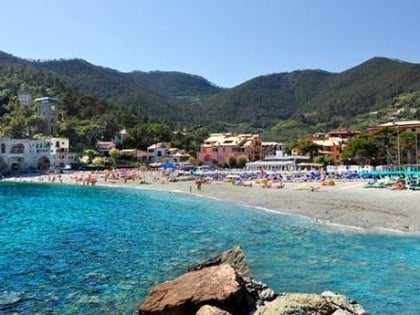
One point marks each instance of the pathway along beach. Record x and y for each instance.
(345, 204)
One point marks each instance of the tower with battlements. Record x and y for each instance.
(48, 110)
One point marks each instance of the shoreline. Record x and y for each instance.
(345, 205)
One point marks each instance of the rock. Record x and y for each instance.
(297, 304)
(234, 257)
(267, 295)
(344, 303)
(211, 310)
(223, 285)
(9, 298)
(219, 286)
(260, 291)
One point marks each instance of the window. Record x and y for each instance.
(3, 148)
(17, 148)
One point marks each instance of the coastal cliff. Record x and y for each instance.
(224, 285)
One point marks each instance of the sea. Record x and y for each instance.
(67, 249)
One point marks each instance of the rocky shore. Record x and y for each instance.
(224, 285)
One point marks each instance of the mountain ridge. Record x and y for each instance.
(314, 100)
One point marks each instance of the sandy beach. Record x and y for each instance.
(346, 203)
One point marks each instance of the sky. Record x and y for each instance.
(225, 41)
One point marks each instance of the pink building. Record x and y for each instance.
(220, 146)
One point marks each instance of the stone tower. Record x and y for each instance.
(47, 109)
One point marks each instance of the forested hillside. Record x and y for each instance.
(282, 106)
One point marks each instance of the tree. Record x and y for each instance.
(307, 146)
(113, 153)
(241, 161)
(407, 143)
(358, 150)
(91, 153)
(232, 161)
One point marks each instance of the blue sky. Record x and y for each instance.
(225, 41)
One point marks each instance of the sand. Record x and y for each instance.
(346, 204)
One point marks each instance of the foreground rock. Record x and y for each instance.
(223, 285)
(218, 286)
(234, 257)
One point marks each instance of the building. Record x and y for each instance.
(332, 143)
(24, 97)
(31, 154)
(48, 110)
(60, 155)
(120, 137)
(163, 152)
(278, 162)
(342, 134)
(104, 147)
(177, 155)
(331, 148)
(271, 148)
(138, 155)
(219, 147)
(408, 125)
(156, 152)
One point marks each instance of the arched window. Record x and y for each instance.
(3, 148)
(17, 148)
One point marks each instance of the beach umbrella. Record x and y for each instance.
(168, 166)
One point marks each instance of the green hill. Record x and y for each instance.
(282, 106)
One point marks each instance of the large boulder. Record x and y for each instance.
(234, 257)
(327, 303)
(297, 304)
(219, 286)
(211, 310)
(344, 303)
(223, 285)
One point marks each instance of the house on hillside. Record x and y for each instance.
(332, 143)
(331, 147)
(24, 97)
(138, 155)
(104, 147)
(120, 137)
(408, 125)
(218, 147)
(163, 152)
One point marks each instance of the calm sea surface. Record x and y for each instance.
(93, 250)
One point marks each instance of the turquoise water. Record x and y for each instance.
(94, 250)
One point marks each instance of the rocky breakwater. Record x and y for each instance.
(224, 285)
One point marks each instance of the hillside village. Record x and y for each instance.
(227, 149)
(71, 114)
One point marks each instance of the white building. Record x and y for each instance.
(279, 162)
(120, 137)
(156, 152)
(162, 152)
(27, 154)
